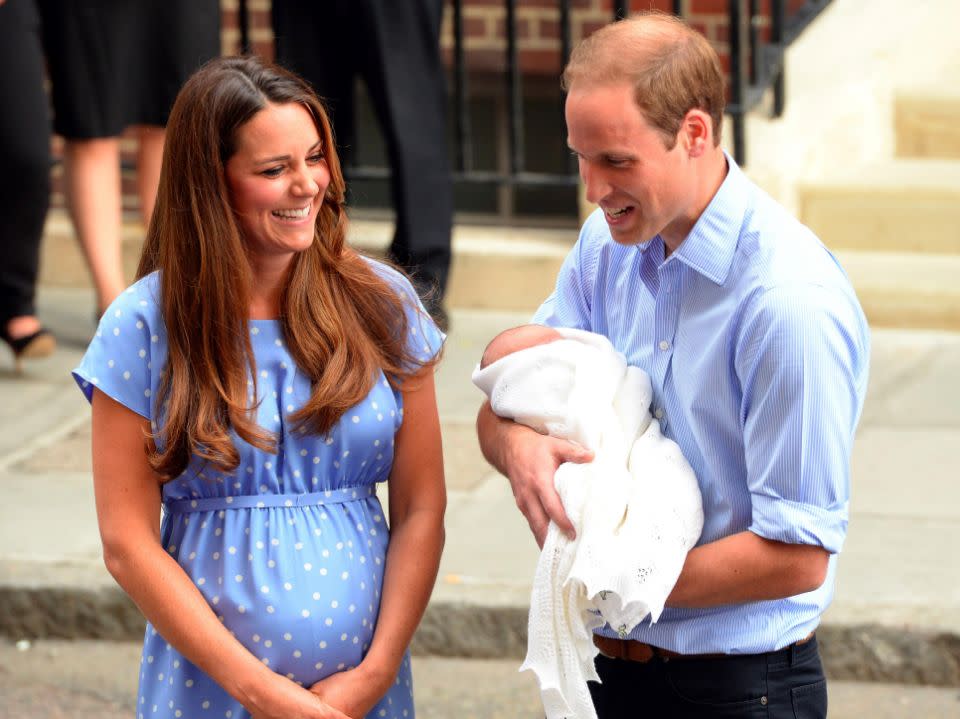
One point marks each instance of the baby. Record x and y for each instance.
(636, 507)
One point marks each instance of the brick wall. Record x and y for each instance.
(538, 26)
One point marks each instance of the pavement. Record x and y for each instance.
(895, 618)
(97, 679)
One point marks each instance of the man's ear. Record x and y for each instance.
(696, 132)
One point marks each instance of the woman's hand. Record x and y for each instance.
(287, 700)
(352, 691)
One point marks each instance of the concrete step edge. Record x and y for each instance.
(867, 651)
(925, 121)
(375, 235)
(940, 176)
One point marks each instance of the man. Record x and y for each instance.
(758, 353)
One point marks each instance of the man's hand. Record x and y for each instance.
(530, 461)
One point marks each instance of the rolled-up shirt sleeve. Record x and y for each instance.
(802, 361)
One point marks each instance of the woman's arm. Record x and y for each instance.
(418, 500)
(128, 511)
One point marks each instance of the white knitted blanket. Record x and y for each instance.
(637, 507)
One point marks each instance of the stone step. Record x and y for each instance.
(514, 269)
(901, 205)
(906, 290)
(926, 121)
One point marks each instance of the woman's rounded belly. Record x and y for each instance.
(299, 587)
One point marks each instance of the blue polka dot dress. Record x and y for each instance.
(289, 550)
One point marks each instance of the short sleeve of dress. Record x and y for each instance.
(121, 360)
(424, 338)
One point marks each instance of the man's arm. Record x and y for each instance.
(529, 460)
(745, 567)
(802, 362)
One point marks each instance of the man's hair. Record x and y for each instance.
(673, 69)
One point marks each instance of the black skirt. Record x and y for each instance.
(116, 63)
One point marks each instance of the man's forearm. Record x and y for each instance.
(492, 433)
(745, 567)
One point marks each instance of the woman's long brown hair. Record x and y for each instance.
(341, 321)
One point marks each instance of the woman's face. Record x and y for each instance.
(277, 179)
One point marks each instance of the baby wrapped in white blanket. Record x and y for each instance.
(636, 507)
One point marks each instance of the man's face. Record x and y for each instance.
(643, 188)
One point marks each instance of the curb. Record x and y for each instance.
(98, 610)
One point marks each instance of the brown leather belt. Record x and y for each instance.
(633, 651)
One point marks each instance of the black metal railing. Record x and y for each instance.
(756, 65)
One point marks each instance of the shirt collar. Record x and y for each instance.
(711, 244)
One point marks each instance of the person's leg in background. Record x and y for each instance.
(328, 65)
(84, 44)
(396, 48)
(149, 160)
(91, 173)
(25, 180)
(173, 38)
(404, 74)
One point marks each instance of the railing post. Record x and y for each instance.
(778, 17)
(756, 57)
(737, 89)
(514, 92)
(565, 48)
(243, 18)
(464, 146)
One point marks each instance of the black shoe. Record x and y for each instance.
(39, 344)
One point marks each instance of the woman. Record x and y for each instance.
(289, 377)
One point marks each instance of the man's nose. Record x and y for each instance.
(594, 181)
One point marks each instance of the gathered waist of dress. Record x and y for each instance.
(262, 501)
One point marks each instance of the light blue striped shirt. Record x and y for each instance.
(758, 353)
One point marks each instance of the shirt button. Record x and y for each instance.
(664, 345)
(763, 701)
(658, 413)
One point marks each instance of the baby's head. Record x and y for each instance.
(516, 339)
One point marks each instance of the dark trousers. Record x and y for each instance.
(24, 157)
(777, 685)
(394, 47)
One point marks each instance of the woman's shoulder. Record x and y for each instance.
(141, 300)
(391, 275)
(128, 349)
(136, 313)
(426, 338)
